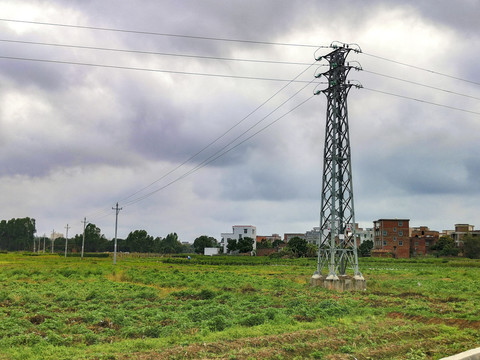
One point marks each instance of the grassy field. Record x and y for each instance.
(233, 308)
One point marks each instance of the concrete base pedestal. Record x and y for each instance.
(339, 283)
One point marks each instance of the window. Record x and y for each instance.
(400, 233)
(400, 223)
(239, 236)
(427, 243)
(394, 229)
(245, 231)
(384, 243)
(384, 232)
(394, 238)
(400, 243)
(416, 243)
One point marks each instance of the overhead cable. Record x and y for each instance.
(420, 84)
(221, 136)
(423, 69)
(149, 70)
(153, 52)
(422, 101)
(200, 166)
(160, 34)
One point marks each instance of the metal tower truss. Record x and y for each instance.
(337, 246)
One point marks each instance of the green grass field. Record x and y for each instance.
(233, 308)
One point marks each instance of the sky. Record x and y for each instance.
(158, 106)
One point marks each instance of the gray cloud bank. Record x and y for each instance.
(75, 139)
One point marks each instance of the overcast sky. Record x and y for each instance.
(75, 139)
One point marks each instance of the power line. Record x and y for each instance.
(226, 40)
(420, 84)
(150, 70)
(161, 34)
(222, 135)
(422, 101)
(212, 159)
(152, 52)
(423, 69)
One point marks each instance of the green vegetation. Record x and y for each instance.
(471, 246)
(243, 245)
(365, 248)
(233, 307)
(203, 242)
(17, 234)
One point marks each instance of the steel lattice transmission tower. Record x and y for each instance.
(337, 244)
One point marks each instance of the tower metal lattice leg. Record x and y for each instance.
(337, 241)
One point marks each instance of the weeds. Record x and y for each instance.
(51, 307)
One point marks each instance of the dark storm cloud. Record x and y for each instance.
(133, 126)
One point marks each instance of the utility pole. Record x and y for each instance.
(83, 240)
(337, 240)
(53, 239)
(66, 239)
(44, 238)
(117, 210)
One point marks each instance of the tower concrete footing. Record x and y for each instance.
(341, 283)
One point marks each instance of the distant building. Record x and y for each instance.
(210, 251)
(288, 236)
(391, 237)
(270, 238)
(364, 234)
(239, 232)
(462, 230)
(313, 236)
(422, 239)
(55, 236)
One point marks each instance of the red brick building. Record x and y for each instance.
(392, 236)
(422, 239)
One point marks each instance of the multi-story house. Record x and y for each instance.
(239, 232)
(422, 239)
(288, 236)
(313, 236)
(392, 236)
(462, 230)
(364, 234)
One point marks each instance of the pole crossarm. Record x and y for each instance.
(337, 241)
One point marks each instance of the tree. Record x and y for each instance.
(245, 244)
(139, 241)
(170, 245)
(277, 243)
(17, 234)
(471, 246)
(94, 239)
(264, 244)
(298, 246)
(312, 250)
(231, 245)
(445, 246)
(365, 248)
(202, 242)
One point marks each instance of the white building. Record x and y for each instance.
(210, 251)
(364, 235)
(313, 236)
(239, 232)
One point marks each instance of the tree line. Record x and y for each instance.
(19, 235)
